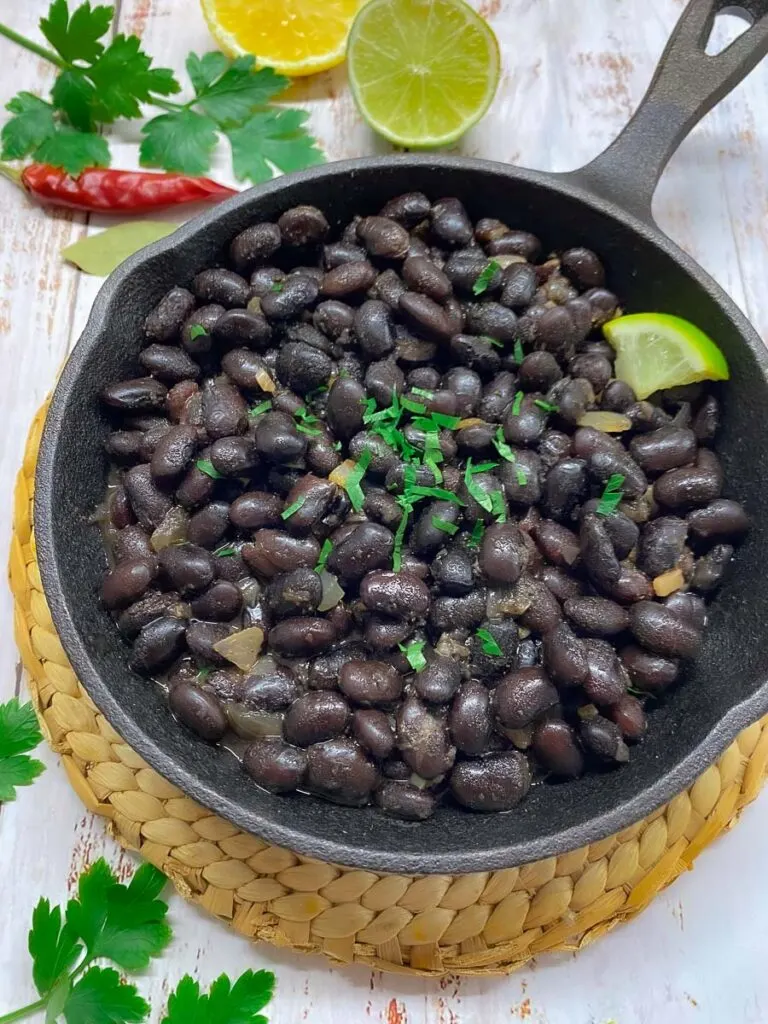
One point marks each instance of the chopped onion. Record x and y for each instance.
(472, 421)
(242, 648)
(172, 530)
(521, 738)
(509, 601)
(421, 783)
(263, 666)
(447, 647)
(253, 724)
(340, 475)
(608, 422)
(332, 591)
(251, 591)
(668, 582)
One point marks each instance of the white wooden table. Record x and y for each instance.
(570, 81)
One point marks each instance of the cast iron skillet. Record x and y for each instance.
(607, 206)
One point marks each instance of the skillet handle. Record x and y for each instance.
(687, 83)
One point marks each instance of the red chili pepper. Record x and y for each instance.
(104, 190)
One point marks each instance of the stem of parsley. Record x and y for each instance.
(25, 1011)
(41, 51)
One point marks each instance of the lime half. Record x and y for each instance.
(422, 71)
(657, 350)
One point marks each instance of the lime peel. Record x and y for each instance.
(422, 72)
(658, 350)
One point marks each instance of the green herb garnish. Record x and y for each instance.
(444, 525)
(303, 414)
(203, 674)
(489, 644)
(196, 331)
(19, 733)
(414, 653)
(224, 1002)
(226, 552)
(309, 431)
(444, 420)
(477, 534)
(397, 551)
(207, 467)
(501, 446)
(484, 500)
(517, 352)
(416, 407)
(293, 508)
(521, 475)
(352, 483)
(277, 286)
(546, 406)
(498, 506)
(612, 494)
(491, 341)
(336, 446)
(262, 407)
(423, 393)
(485, 277)
(517, 403)
(438, 493)
(325, 551)
(433, 455)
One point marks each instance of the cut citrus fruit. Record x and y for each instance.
(295, 37)
(422, 71)
(657, 350)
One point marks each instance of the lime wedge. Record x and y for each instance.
(422, 71)
(657, 350)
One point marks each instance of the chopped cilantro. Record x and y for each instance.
(477, 534)
(207, 467)
(416, 407)
(277, 286)
(517, 352)
(352, 485)
(423, 393)
(293, 508)
(196, 331)
(261, 408)
(414, 653)
(226, 552)
(325, 551)
(612, 494)
(498, 506)
(546, 406)
(485, 277)
(492, 341)
(502, 447)
(517, 403)
(489, 644)
(444, 525)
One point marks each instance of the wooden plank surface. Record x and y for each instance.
(572, 75)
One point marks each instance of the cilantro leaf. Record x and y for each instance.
(488, 643)
(99, 997)
(230, 91)
(124, 77)
(182, 141)
(325, 552)
(19, 732)
(32, 125)
(225, 1004)
(272, 140)
(74, 95)
(125, 924)
(52, 946)
(485, 277)
(77, 38)
(74, 151)
(414, 653)
(612, 495)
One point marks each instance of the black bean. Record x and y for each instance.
(173, 453)
(367, 547)
(605, 305)
(721, 518)
(496, 783)
(603, 738)
(632, 585)
(663, 449)
(470, 721)
(384, 380)
(165, 320)
(298, 592)
(658, 629)
(128, 581)
(158, 645)
(339, 771)
(324, 670)
(597, 552)
(451, 223)
(604, 464)
(303, 225)
(565, 656)
(255, 510)
(522, 478)
(224, 287)
(607, 679)
(597, 616)
(707, 420)
(685, 488)
(536, 605)
(383, 237)
(645, 417)
(124, 445)
(688, 607)
(275, 765)
(623, 532)
(132, 542)
(409, 209)
(464, 267)
(389, 288)
(169, 363)
(297, 293)
(711, 568)
(617, 396)
(149, 503)
(649, 672)
(662, 544)
(402, 800)
(348, 279)
(187, 567)
(583, 267)
(373, 731)
(142, 394)
(438, 681)
(539, 371)
(399, 594)
(316, 716)
(555, 745)
(630, 717)
(497, 397)
(224, 410)
(301, 637)
(335, 319)
(565, 487)
(592, 367)
(519, 243)
(152, 436)
(519, 286)
(524, 423)
(257, 244)
(523, 696)
(560, 582)
(384, 633)
(557, 543)
(199, 710)
(374, 329)
(182, 403)
(503, 553)
(423, 740)
(382, 507)
(452, 571)
(278, 439)
(491, 319)
(221, 602)
(209, 525)
(426, 316)
(302, 367)
(153, 605)
(239, 328)
(370, 683)
(273, 551)
(421, 275)
(479, 354)
(268, 689)
(466, 386)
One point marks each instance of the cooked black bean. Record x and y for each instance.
(450, 223)
(149, 503)
(607, 679)
(438, 681)
(132, 541)
(339, 771)
(657, 628)
(426, 316)
(689, 607)
(535, 605)
(124, 445)
(278, 438)
(452, 571)
(169, 363)
(555, 745)
(663, 449)
(370, 683)
(520, 243)
(367, 547)
(464, 267)
(335, 319)
(523, 696)
(649, 672)
(208, 526)
(409, 209)
(497, 397)
(630, 717)
(583, 267)
(187, 568)
(467, 612)
(257, 244)
(301, 637)
(372, 730)
(348, 279)
(711, 568)
(707, 420)
(539, 371)
(224, 287)
(565, 656)
(522, 478)
(479, 354)
(384, 633)
(255, 510)
(158, 644)
(617, 396)
(402, 800)
(153, 605)
(221, 602)
(142, 394)
(275, 765)
(374, 329)
(597, 551)
(422, 275)
(128, 581)
(565, 487)
(303, 367)
(503, 553)
(165, 320)
(524, 422)
(199, 711)
(597, 616)
(383, 380)
(662, 544)
(173, 453)
(298, 592)
(559, 582)
(316, 716)
(602, 465)
(274, 551)
(395, 593)
(384, 237)
(297, 293)
(685, 488)
(423, 740)
(721, 518)
(603, 738)
(303, 225)
(557, 543)
(470, 720)
(496, 783)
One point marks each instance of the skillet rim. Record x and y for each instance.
(344, 850)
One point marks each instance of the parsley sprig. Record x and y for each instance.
(100, 81)
(19, 733)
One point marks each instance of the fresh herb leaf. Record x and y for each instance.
(203, 674)
(52, 946)
(293, 508)
(491, 341)
(272, 140)
(226, 552)
(309, 431)
(473, 487)
(488, 644)
(100, 997)
(124, 78)
(225, 1003)
(438, 493)
(444, 525)
(414, 654)
(352, 484)
(423, 393)
(228, 91)
(99, 254)
(416, 407)
(33, 124)
(302, 413)
(477, 534)
(501, 446)
(207, 467)
(498, 506)
(521, 475)
(433, 456)
(612, 495)
(485, 277)
(546, 406)
(517, 352)
(443, 420)
(73, 95)
(73, 151)
(277, 286)
(257, 410)
(517, 403)
(19, 733)
(325, 552)
(180, 141)
(77, 37)
(336, 446)
(397, 553)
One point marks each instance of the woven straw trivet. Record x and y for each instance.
(486, 923)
